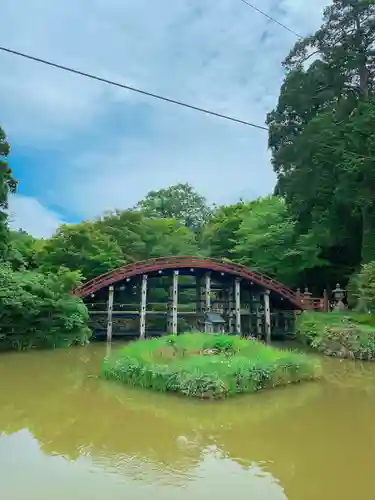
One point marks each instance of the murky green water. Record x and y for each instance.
(65, 435)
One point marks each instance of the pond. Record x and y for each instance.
(65, 434)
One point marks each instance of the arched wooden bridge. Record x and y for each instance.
(191, 265)
(230, 297)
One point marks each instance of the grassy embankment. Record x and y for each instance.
(342, 334)
(207, 366)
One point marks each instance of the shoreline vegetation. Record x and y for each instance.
(207, 366)
(344, 334)
(37, 311)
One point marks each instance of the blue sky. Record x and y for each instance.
(81, 147)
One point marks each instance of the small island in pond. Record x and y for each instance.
(207, 366)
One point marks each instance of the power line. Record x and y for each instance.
(156, 96)
(270, 18)
(127, 87)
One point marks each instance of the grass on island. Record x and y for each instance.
(207, 366)
(344, 334)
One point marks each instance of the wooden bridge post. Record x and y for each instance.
(258, 317)
(174, 302)
(207, 299)
(230, 308)
(237, 294)
(250, 306)
(267, 316)
(198, 306)
(142, 318)
(111, 291)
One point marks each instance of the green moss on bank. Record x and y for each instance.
(342, 334)
(207, 366)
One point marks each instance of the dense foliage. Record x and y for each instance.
(345, 335)
(320, 136)
(7, 185)
(37, 310)
(362, 289)
(207, 366)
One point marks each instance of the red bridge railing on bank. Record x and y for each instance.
(310, 303)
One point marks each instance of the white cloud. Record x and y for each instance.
(30, 215)
(218, 54)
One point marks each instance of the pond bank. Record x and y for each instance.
(347, 334)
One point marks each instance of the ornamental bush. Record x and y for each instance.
(38, 311)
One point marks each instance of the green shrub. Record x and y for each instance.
(344, 334)
(37, 310)
(361, 288)
(207, 366)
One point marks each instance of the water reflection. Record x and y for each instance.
(63, 426)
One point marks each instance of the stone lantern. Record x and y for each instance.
(338, 297)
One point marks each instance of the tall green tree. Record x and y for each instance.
(23, 250)
(219, 234)
(317, 102)
(267, 241)
(81, 247)
(126, 227)
(7, 185)
(180, 202)
(167, 237)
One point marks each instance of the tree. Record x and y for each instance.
(82, 247)
(345, 42)
(268, 242)
(38, 310)
(179, 202)
(218, 236)
(23, 249)
(7, 185)
(362, 288)
(126, 227)
(316, 106)
(167, 237)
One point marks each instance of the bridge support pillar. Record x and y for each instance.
(258, 316)
(174, 309)
(207, 300)
(231, 308)
(250, 306)
(237, 296)
(143, 312)
(111, 291)
(267, 317)
(198, 299)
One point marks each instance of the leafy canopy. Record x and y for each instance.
(180, 202)
(38, 310)
(267, 241)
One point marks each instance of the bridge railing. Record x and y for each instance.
(153, 265)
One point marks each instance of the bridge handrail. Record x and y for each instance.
(151, 265)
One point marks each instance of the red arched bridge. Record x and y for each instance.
(223, 288)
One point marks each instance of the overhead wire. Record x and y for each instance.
(149, 94)
(128, 87)
(270, 18)
(167, 99)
